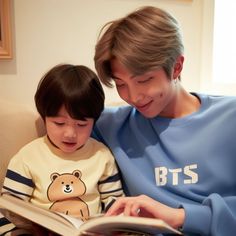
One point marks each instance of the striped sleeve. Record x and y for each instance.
(18, 180)
(110, 187)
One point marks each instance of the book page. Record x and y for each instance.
(76, 222)
(139, 225)
(29, 211)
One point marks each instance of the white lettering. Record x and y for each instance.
(161, 175)
(193, 176)
(175, 176)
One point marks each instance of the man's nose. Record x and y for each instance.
(135, 96)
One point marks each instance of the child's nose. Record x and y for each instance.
(70, 132)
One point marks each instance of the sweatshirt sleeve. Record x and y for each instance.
(18, 180)
(216, 216)
(110, 186)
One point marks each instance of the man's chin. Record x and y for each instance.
(148, 115)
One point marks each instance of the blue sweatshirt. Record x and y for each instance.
(187, 162)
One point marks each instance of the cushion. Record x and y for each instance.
(20, 124)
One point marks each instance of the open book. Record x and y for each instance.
(20, 211)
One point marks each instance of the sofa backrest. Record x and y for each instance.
(19, 124)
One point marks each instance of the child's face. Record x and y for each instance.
(67, 133)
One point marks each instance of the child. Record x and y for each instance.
(66, 170)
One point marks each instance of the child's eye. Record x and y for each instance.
(81, 124)
(59, 123)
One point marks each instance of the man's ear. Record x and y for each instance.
(178, 66)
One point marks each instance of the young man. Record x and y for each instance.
(175, 149)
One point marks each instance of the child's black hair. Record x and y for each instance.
(74, 86)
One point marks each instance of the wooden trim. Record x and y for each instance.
(5, 30)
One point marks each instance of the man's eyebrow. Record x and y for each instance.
(115, 77)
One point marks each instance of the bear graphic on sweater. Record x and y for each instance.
(65, 191)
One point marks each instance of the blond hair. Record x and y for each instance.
(146, 39)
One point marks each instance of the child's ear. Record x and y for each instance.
(178, 66)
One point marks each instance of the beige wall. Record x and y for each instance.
(47, 32)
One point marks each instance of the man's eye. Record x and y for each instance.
(145, 80)
(119, 85)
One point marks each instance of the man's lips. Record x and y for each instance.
(143, 107)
